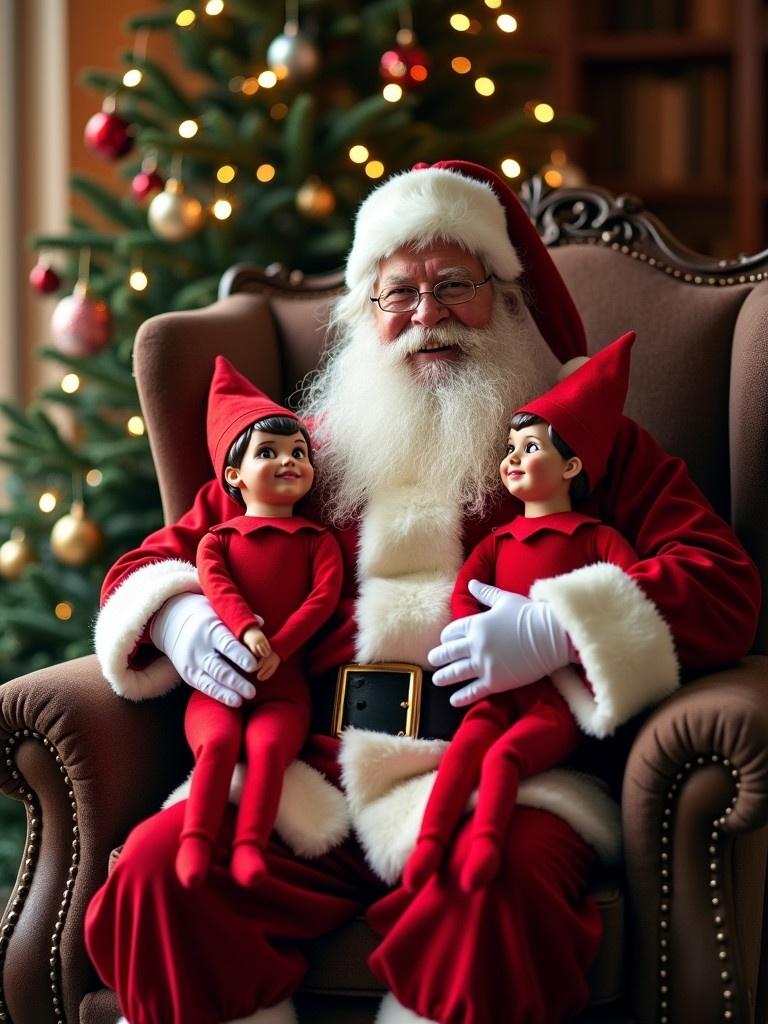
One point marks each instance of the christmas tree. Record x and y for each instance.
(255, 145)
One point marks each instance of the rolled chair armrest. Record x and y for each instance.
(88, 765)
(695, 807)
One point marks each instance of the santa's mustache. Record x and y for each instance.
(418, 339)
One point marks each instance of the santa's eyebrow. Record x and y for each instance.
(407, 279)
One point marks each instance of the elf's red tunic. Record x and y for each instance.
(513, 735)
(238, 563)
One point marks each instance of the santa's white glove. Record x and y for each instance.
(197, 642)
(514, 643)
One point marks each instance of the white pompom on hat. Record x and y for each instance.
(465, 203)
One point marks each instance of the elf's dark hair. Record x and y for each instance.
(580, 483)
(283, 425)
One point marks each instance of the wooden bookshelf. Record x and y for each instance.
(675, 89)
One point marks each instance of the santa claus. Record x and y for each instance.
(454, 316)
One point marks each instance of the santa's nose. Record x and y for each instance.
(429, 311)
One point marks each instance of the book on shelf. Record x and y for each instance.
(662, 129)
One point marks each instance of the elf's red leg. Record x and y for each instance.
(543, 737)
(456, 778)
(214, 734)
(274, 735)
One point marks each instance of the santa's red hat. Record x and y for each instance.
(233, 405)
(586, 407)
(461, 202)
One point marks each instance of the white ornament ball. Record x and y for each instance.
(293, 53)
(174, 215)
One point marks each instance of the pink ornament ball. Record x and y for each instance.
(81, 325)
(405, 65)
(108, 135)
(146, 184)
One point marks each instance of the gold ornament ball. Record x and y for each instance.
(76, 540)
(15, 553)
(315, 200)
(174, 215)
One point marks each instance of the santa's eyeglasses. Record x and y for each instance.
(406, 298)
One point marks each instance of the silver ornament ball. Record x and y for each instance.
(293, 53)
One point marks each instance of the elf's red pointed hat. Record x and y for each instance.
(233, 405)
(458, 201)
(586, 407)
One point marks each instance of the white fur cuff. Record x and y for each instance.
(312, 816)
(123, 619)
(625, 646)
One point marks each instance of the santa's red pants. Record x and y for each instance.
(517, 952)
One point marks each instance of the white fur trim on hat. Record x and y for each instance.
(123, 619)
(392, 1012)
(312, 816)
(625, 646)
(388, 780)
(430, 205)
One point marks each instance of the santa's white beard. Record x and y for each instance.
(379, 423)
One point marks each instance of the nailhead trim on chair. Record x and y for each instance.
(606, 241)
(715, 886)
(30, 859)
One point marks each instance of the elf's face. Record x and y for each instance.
(534, 470)
(274, 474)
(437, 264)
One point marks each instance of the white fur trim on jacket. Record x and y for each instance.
(410, 551)
(406, 530)
(312, 816)
(388, 780)
(122, 622)
(625, 646)
(402, 617)
(392, 1012)
(432, 204)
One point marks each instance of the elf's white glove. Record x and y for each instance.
(514, 643)
(197, 642)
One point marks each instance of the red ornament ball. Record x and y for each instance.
(44, 278)
(108, 135)
(146, 184)
(405, 65)
(81, 324)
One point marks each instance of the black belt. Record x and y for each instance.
(392, 697)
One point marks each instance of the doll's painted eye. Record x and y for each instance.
(298, 453)
(531, 447)
(265, 453)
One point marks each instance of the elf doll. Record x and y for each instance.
(557, 451)
(289, 569)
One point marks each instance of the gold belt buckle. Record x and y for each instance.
(399, 695)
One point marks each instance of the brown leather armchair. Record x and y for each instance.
(685, 925)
